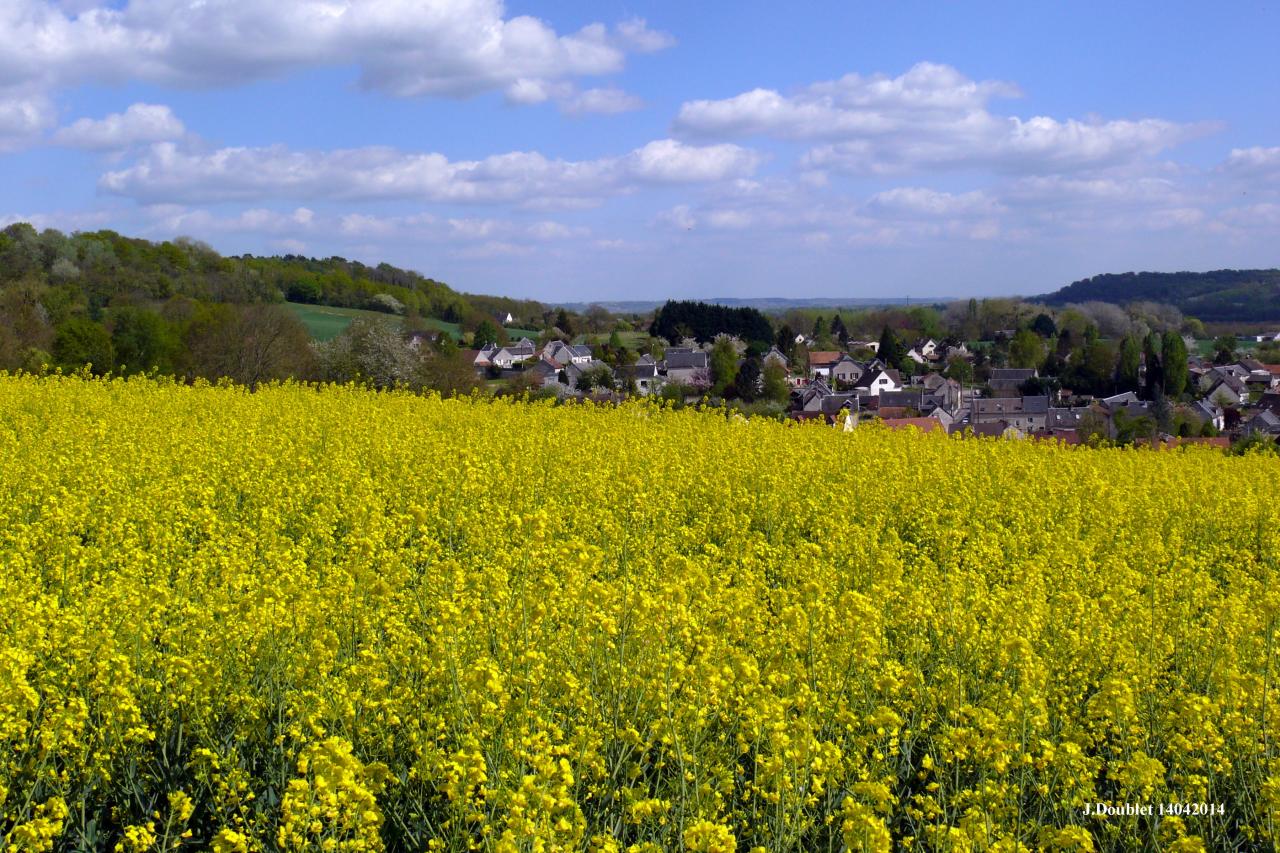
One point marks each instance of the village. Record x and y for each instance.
(1223, 402)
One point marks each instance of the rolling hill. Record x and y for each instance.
(1215, 296)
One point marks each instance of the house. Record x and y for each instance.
(1120, 399)
(1266, 422)
(1208, 411)
(418, 340)
(821, 362)
(1228, 391)
(565, 354)
(941, 393)
(1006, 381)
(543, 373)
(682, 364)
(846, 371)
(1064, 418)
(775, 356)
(944, 417)
(872, 383)
(1021, 413)
(644, 373)
(996, 429)
(484, 356)
(818, 397)
(505, 319)
(906, 399)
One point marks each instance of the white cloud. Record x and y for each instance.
(669, 161)
(607, 101)
(167, 173)
(921, 201)
(854, 105)
(453, 48)
(22, 120)
(1255, 163)
(140, 123)
(634, 33)
(930, 117)
(984, 141)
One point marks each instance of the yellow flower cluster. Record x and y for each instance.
(327, 618)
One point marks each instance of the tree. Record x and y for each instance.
(890, 351)
(1173, 358)
(1129, 365)
(249, 344)
(820, 329)
(367, 350)
(1151, 356)
(563, 322)
(80, 341)
(598, 318)
(724, 366)
(1044, 326)
(142, 340)
(776, 388)
(1224, 349)
(838, 331)
(960, 370)
(486, 333)
(745, 385)
(447, 370)
(1026, 349)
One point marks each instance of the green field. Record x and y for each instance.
(326, 322)
(1204, 346)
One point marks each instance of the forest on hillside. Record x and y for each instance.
(1219, 296)
(125, 304)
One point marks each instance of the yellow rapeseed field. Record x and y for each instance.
(338, 620)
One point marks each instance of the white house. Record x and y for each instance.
(874, 382)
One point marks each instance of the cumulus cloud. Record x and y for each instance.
(140, 123)
(23, 119)
(930, 117)
(921, 201)
(167, 173)
(453, 48)
(1255, 163)
(852, 105)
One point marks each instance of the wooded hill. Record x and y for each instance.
(102, 268)
(1216, 296)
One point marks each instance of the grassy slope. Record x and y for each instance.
(325, 322)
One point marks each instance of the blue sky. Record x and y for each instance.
(610, 150)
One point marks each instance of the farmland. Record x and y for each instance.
(274, 621)
(326, 322)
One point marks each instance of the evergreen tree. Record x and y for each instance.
(838, 331)
(1173, 358)
(891, 351)
(1128, 367)
(1151, 356)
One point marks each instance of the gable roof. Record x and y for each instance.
(686, 360)
(819, 358)
(1014, 375)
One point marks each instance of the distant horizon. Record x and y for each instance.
(567, 151)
